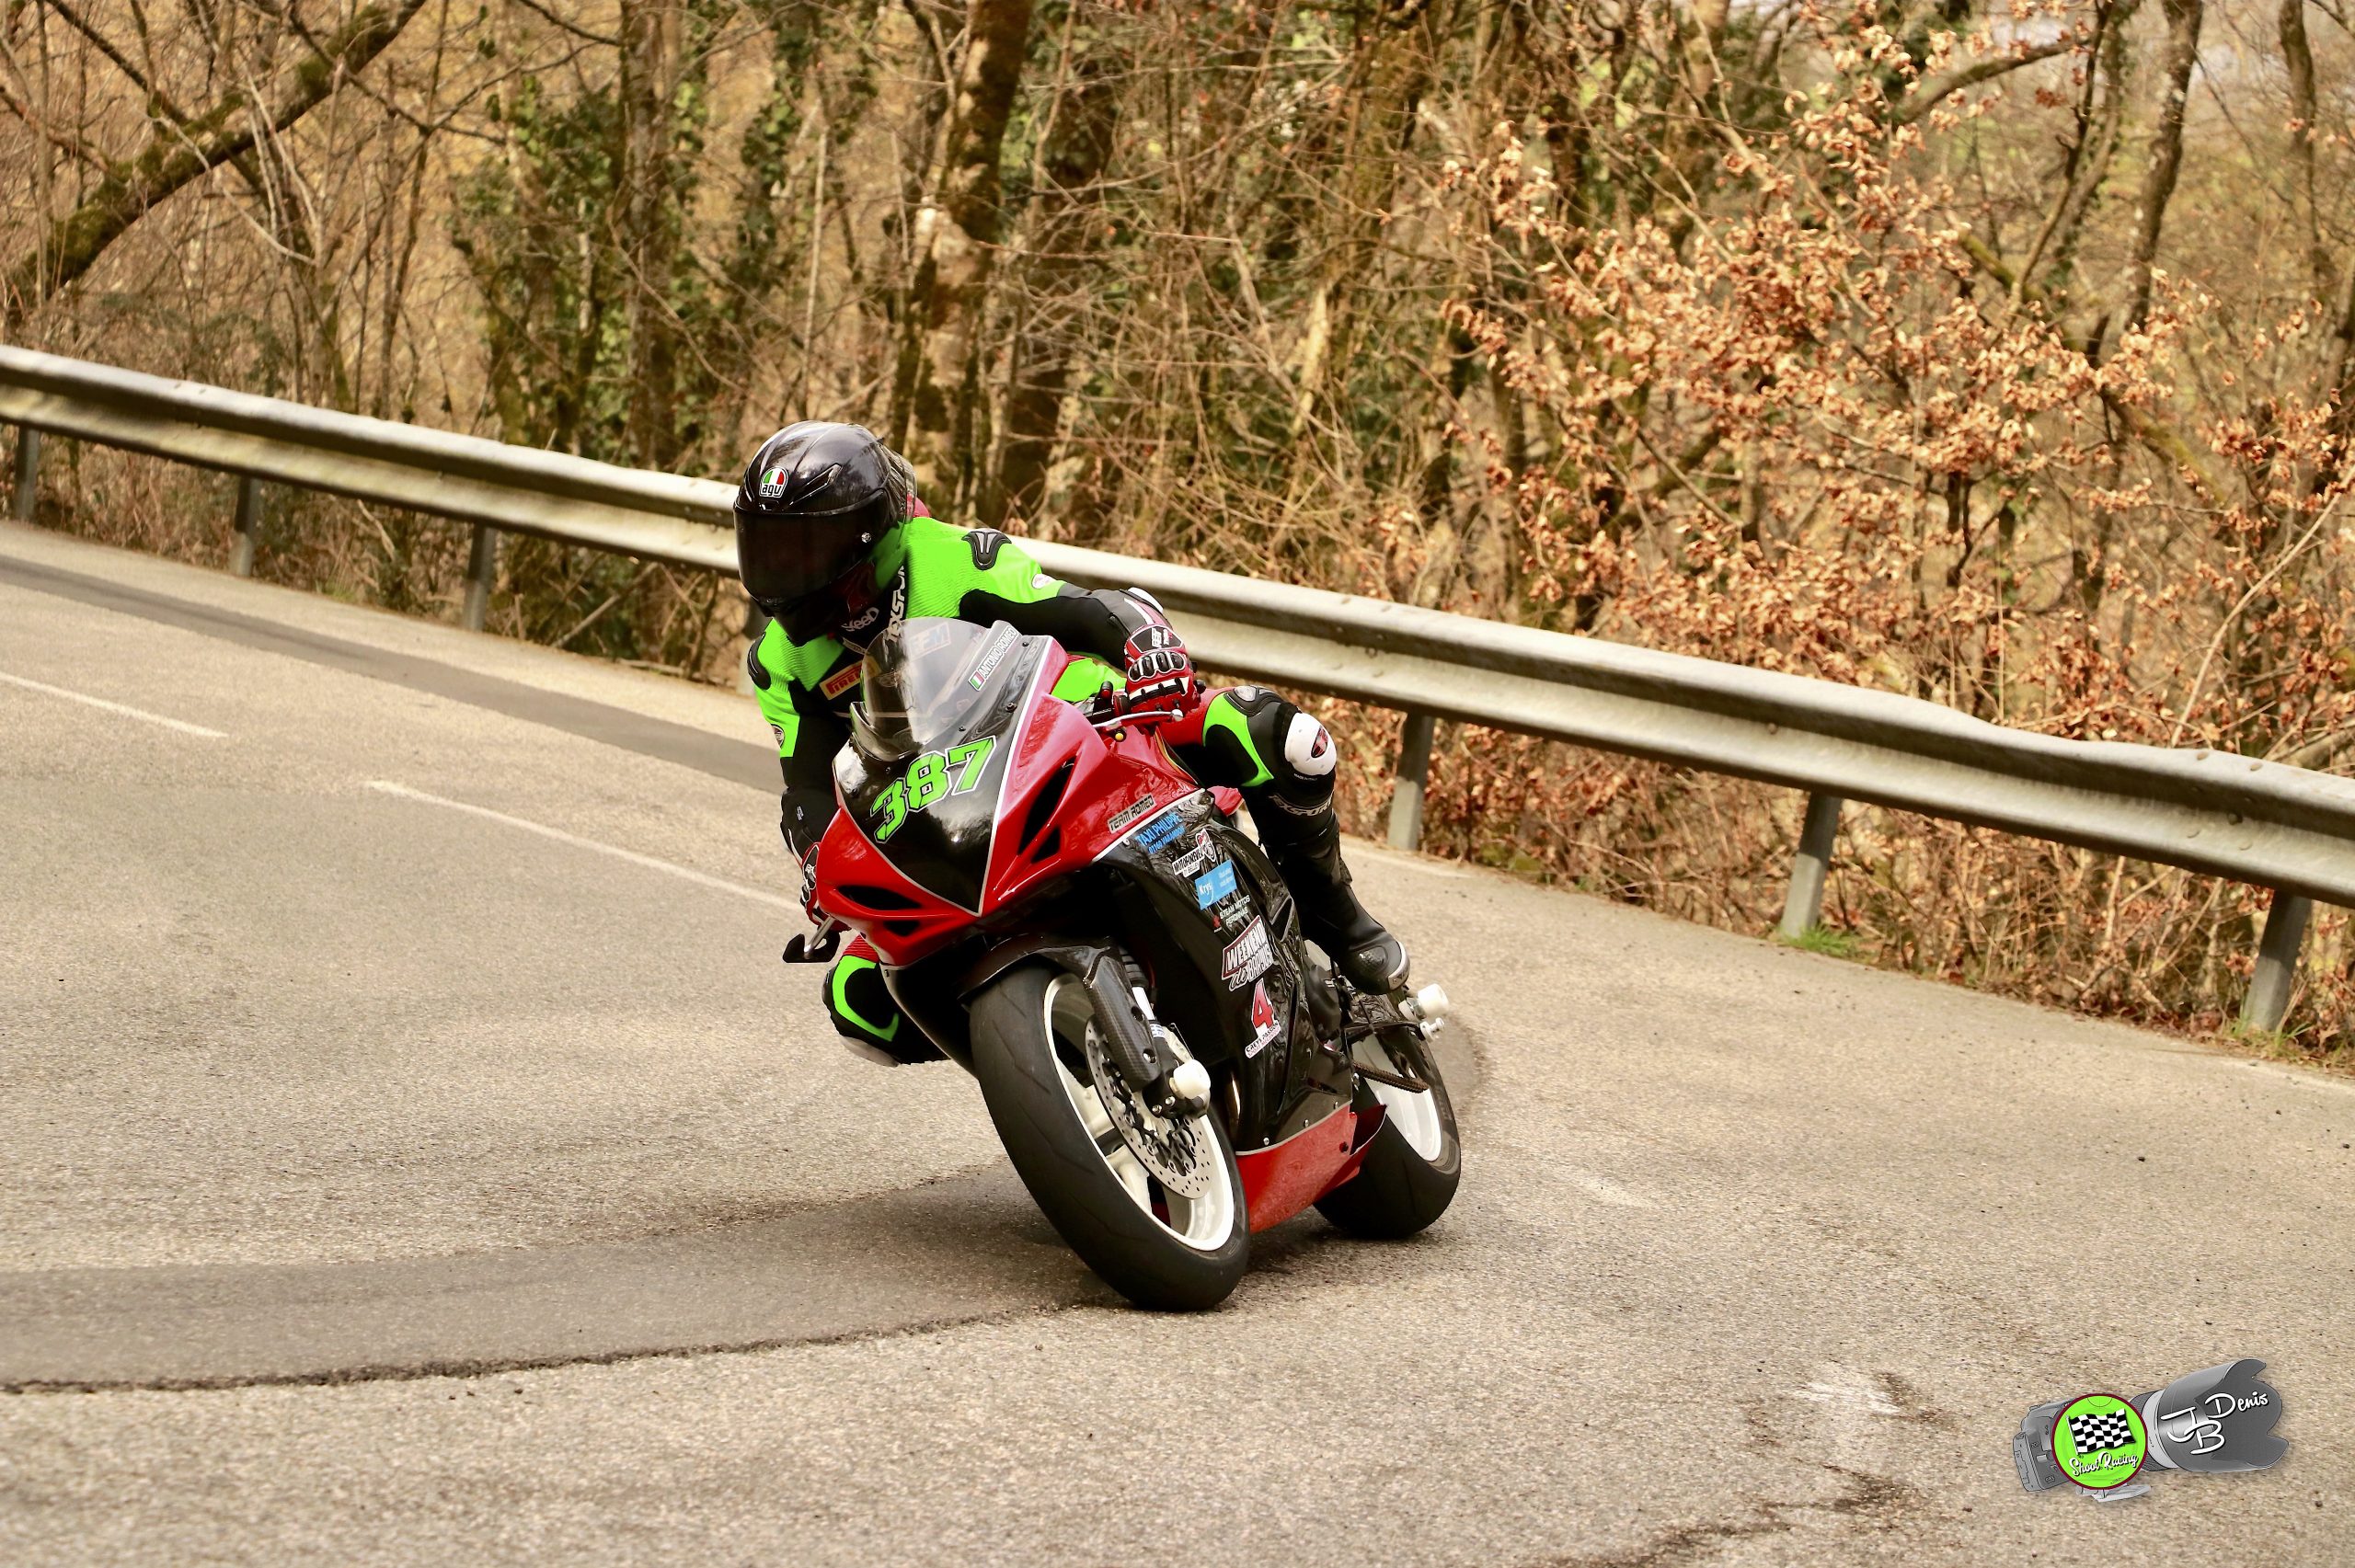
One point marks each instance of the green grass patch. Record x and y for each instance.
(1826, 940)
(1512, 859)
(2264, 1042)
(2302, 1046)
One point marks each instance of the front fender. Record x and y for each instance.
(1059, 951)
(1127, 1038)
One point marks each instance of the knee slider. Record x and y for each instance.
(1298, 753)
(1308, 750)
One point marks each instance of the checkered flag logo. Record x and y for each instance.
(2095, 1433)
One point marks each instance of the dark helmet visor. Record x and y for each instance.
(786, 559)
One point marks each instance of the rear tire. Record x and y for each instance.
(1031, 1057)
(1411, 1168)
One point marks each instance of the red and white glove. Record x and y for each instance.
(1161, 675)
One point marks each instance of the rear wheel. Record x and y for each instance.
(1154, 1205)
(1410, 1171)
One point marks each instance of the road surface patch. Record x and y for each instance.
(125, 709)
(669, 869)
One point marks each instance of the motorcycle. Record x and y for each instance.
(1064, 912)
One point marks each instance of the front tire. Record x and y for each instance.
(1410, 1173)
(1152, 1243)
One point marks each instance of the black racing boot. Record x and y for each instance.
(1306, 847)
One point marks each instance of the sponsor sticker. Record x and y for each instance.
(771, 484)
(1215, 885)
(870, 623)
(1263, 1019)
(991, 658)
(1247, 957)
(1200, 858)
(1128, 813)
(840, 681)
(1159, 832)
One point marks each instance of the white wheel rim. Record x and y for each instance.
(1414, 1112)
(1203, 1223)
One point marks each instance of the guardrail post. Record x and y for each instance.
(241, 552)
(482, 570)
(1407, 793)
(1803, 904)
(27, 472)
(2277, 962)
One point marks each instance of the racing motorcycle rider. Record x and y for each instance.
(833, 545)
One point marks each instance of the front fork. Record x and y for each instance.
(1147, 1055)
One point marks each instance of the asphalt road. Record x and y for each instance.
(411, 1150)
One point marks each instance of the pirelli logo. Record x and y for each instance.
(840, 681)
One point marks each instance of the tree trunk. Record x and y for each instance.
(955, 238)
(1062, 242)
(780, 228)
(2091, 148)
(2299, 56)
(318, 372)
(1454, 365)
(2342, 381)
(648, 223)
(2182, 52)
(1398, 51)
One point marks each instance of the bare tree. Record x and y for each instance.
(1058, 250)
(188, 146)
(2298, 56)
(648, 221)
(2182, 52)
(957, 236)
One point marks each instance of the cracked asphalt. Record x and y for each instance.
(382, 1182)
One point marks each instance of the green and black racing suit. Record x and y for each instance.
(1252, 739)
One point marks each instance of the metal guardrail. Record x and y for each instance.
(2282, 827)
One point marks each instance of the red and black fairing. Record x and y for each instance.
(1073, 836)
(925, 884)
(1194, 897)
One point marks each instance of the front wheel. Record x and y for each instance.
(1154, 1205)
(1410, 1172)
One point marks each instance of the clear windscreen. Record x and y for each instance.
(921, 681)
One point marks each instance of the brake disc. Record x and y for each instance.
(1182, 1155)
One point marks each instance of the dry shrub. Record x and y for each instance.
(1925, 480)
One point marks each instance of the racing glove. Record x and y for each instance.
(1161, 675)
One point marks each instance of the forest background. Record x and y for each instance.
(1998, 354)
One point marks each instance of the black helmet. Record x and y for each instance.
(818, 504)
